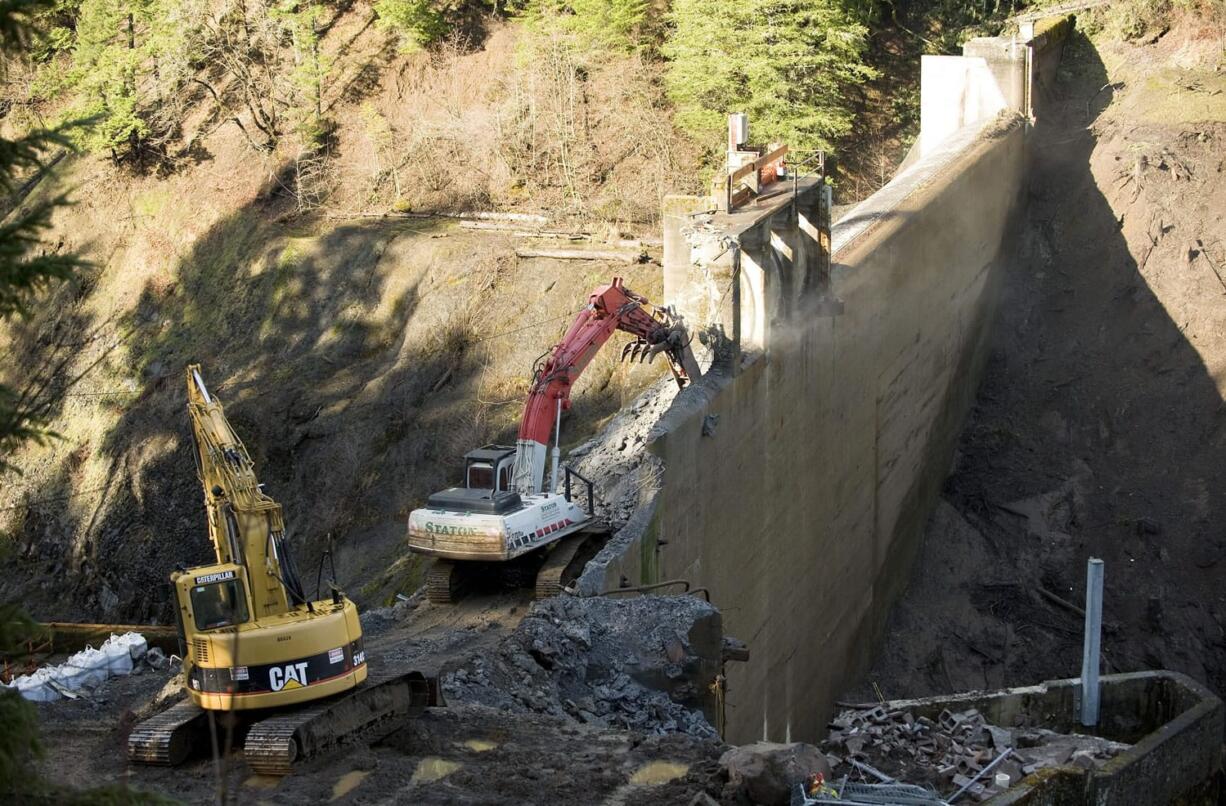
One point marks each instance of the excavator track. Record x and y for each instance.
(565, 562)
(168, 738)
(273, 746)
(443, 582)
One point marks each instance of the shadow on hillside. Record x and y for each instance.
(303, 333)
(1098, 431)
(323, 395)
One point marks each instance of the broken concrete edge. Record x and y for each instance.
(931, 173)
(1177, 752)
(628, 559)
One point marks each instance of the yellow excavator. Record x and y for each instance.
(252, 639)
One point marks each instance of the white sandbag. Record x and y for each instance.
(35, 686)
(136, 643)
(86, 669)
(118, 657)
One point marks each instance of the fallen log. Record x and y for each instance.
(528, 218)
(623, 255)
(70, 637)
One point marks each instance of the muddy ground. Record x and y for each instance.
(1099, 429)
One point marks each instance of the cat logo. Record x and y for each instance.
(287, 677)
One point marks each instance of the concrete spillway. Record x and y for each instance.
(798, 475)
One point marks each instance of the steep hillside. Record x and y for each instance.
(359, 354)
(1100, 429)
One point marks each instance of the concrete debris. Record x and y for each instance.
(625, 476)
(617, 463)
(950, 751)
(643, 664)
(767, 773)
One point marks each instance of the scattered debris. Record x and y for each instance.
(883, 794)
(955, 752)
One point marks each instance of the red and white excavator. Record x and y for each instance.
(505, 511)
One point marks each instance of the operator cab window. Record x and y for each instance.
(504, 476)
(220, 604)
(480, 476)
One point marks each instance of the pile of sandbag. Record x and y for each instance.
(87, 669)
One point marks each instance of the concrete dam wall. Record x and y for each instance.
(794, 481)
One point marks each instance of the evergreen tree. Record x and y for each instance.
(129, 60)
(789, 64)
(618, 24)
(311, 68)
(24, 271)
(417, 22)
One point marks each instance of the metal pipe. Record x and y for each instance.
(1093, 642)
(204, 392)
(557, 451)
(979, 775)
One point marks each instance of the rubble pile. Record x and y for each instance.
(640, 664)
(954, 751)
(616, 461)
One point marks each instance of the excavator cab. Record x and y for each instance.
(489, 468)
(216, 597)
(487, 484)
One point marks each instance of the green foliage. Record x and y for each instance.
(19, 739)
(616, 24)
(129, 59)
(25, 268)
(789, 64)
(416, 22)
(310, 70)
(24, 272)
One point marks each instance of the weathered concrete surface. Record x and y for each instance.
(826, 442)
(795, 480)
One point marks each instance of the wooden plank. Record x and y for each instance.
(758, 164)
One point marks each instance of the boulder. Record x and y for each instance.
(766, 773)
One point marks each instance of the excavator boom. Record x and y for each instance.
(610, 308)
(245, 525)
(503, 512)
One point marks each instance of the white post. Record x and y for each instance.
(1093, 635)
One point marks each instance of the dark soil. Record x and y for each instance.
(1100, 429)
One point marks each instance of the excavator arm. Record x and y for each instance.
(610, 308)
(245, 525)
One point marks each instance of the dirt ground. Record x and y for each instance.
(1100, 428)
(466, 752)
